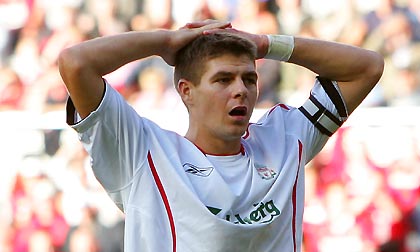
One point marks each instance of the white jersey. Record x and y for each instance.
(177, 198)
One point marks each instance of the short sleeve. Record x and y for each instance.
(115, 139)
(325, 107)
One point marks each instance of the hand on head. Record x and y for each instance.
(209, 23)
(181, 37)
(261, 41)
(214, 26)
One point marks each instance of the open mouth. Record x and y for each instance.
(238, 111)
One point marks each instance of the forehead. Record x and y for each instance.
(229, 63)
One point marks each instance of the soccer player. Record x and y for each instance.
(227, 185)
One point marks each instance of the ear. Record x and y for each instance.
(186, 90)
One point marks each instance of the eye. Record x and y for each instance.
(250, 81)
(224, 80)
(250, 78)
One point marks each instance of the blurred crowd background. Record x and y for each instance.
(362, 189)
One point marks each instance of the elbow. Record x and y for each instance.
(70, 65)
(375, 68)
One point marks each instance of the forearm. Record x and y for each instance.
(355, 69)
(106, 54)
(339, 62)
(82, 66)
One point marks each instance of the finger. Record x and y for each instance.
(198, 24)
(218, 30)
(208, 24)
(215, 28)
(190, 26)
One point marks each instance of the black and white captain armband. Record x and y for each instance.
(321, 117)
(323, 120)
(280, 47)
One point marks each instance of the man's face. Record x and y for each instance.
(223, 101)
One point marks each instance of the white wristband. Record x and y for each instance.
(280, 47)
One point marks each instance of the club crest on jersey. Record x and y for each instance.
(198, 171)
(265, 172)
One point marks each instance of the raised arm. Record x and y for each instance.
(83, 65)
(355, 69)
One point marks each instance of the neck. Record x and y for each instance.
(215, 146)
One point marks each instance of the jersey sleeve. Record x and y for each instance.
(325, 107)
(115, 138)
(311, 124)
(325, 112)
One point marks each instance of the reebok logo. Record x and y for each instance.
(198, 171)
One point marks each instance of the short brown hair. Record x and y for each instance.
(190, 61)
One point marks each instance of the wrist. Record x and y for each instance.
(280, 47)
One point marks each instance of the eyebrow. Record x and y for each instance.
(227, 73)
(251, 74)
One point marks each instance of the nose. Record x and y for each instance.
(240, 90)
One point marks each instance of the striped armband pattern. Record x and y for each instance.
(323, 120)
